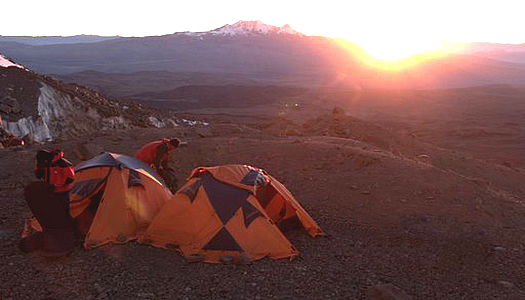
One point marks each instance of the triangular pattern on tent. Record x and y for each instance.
(229, 213)
(114, 198)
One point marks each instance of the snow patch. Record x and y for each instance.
(27, 126)
(4, 62)
(156, 122)
(113, 123)
(194, 123)
(50, 108)
(162, 123)
(52, 105)
(60, 115)
(246, 28)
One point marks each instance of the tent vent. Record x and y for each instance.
(134, 179)
(254, 177)
(191, 191)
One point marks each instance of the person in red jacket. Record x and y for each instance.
(48, 199)
(156, 154)
(56, 171)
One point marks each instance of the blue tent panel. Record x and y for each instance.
(115, 160)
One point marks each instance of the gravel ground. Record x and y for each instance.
(448, 228)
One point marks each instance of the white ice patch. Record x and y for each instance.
(4, 62)
(194, 123)
(26, 126)
(162, 123)
(60, 115)
(112, 123)
(170, 122)
(155, 122)
(50, 108)
(52, 105)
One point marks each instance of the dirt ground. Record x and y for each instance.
(437, 223)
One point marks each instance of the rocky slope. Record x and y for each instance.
(42, 108)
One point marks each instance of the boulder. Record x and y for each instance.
(9, 105)
(338, 112)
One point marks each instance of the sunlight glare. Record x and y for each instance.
(396, 54)
(392, 49)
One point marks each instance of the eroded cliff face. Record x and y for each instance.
(45, 109)
(61, 115)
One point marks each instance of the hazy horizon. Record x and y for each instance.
(405, 26)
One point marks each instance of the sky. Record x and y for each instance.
(412, 25)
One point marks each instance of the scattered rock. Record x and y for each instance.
(338, 111)
(386, 292)
(506, 284)
(292, 132)
(85, 150)
(5, 234)
(204, 132)
(9, 140)
(9, 105)
(146, 295)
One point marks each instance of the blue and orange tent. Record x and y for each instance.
(229, 213)
(114, 198)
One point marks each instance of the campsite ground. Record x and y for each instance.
(429, 207)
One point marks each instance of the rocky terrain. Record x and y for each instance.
(403, 217)
(41, 108)
(420, 192)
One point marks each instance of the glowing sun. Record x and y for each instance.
(393, 49)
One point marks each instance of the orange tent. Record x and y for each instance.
(114, 198)
(229, 214)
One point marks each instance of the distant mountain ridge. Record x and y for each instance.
(506, 52)
(253, 27)
(51, 40)
(238, 28)
(266, 54)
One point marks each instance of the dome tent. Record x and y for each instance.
(114, 198)
(228, 214)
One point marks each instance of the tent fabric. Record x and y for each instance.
(119, 161)
(276, 199)
(115, 197)
(218, 216)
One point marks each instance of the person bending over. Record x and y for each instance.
(156, 154)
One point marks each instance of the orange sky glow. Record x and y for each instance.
(387, 30)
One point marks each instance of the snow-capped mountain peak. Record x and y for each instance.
(253, 27)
